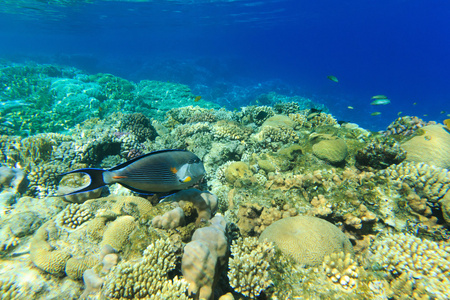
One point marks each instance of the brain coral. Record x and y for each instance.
(43, 255)
(432, 147)
(307, 239)
(118, 232)
(333, 150)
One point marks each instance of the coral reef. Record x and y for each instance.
(307, 239)
(266, 164)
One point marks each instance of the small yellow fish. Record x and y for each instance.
(442, 112)
(447, 123)
(379, 97)
(332, 78)
(415, 103)
(377, 113)
(399, 113)
(197, 98)
(425, 115)
(350, 107)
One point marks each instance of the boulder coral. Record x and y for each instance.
(431, 147)
(203, 256)
(307, 239)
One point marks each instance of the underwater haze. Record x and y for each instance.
(230, 52)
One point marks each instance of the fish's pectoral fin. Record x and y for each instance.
(187, 179)
(173, 170)
(119, 177)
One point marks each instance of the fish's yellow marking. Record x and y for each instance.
(187, 179)
(119, 177)
(174, 170)
(332, 78)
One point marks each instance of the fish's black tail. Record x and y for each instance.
(96, 176)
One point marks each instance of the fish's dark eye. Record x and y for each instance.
(194, 160)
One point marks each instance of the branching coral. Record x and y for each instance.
(148, 276)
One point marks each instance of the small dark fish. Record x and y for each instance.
(196, 99)
(164, 172)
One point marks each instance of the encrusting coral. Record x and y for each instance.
(307, 239)
(249, 266)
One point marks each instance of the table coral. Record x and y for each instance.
(306, 239)
(249, 266)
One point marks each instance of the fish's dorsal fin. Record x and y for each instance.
(129, 162)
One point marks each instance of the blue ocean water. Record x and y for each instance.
(231, 51)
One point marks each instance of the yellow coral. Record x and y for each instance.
(117, 233)
(76, 267)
